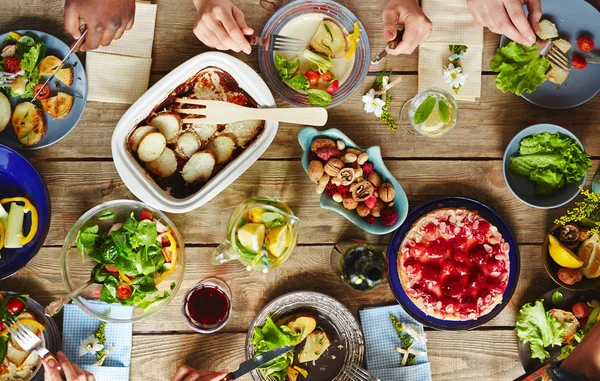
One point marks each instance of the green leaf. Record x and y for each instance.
(271, 336)
(109, 251)
(286, 68)
(521, 68)
(3, 347)
(318, 97)
(145, 234)
(539, 329)
(272, 219)
(319, 62)
(109, 290)
(424, 110)
(86, 239)
(444, 111)
(299, 82)
(146, 303)
(107, 215)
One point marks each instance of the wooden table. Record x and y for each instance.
(80, 174)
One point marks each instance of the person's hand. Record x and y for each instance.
(417, 26)
(508, 18)
(585, 358)
(185, 373)
(106, 20)
(221, 25)
(71, 371)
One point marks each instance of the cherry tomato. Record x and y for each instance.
(585, 44)
(123, 291)
(333, 87)
(2, 326)
(44, 92)
(313, 77)
(581, 310)
(11, 64)
(579, 62)
(111, 268)
(326, 77)
(15, 306)
(146, 215)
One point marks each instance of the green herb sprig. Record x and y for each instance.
(406, 340)
(585, 212)
(386, 115)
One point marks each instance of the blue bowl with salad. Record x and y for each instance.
(544, 166)
(131, 253)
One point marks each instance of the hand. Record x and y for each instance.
(71, 371)
(585, 358)
(185, 373)
(417, 26)
(106, 20)
(221, 25)
(508, 18)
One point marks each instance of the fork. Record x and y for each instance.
(219, 112)
(556, 56)
(276, 42)
(29, 341)
(6, 79)
(356, 373)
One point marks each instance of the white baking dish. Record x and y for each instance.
(134, 175)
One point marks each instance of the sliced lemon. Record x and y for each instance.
(278, 240)
(589, 253)
(14, 35)
(255, 215)
(434, 122)
(252, 236)
(563, 256)
(33, 325)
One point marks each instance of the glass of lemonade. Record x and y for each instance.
(431, 113)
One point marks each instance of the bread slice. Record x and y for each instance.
(223, 146)
(557, 75)
(29, 123)
(316, 344)
(49, 64)
(65, 75)
(5, 111)
(165, 165)
(329, 39)
(199, 168)
(563, 45)
(58, 106)
(546, 30)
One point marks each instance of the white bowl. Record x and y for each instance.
(134, 175)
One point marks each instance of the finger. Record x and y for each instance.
(221, 34)
(72, 21)
(234, 31)
(93, 37)
(108, 36)
(502, 24)
(211, 37)
(181, 373)
(67, 367)
(89, 376)
(241, 21)
(535, 12)
(390, 23)
(51, 373)
(517, 16)
(119, 33)
(130, 24)
(192, 377)
(211, 376)
(416, 31)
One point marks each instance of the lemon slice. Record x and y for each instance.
(33, 325)
(255, 215)
(278, 240)
(589, 252)
(15, 35)
(252, 236)
(563, 256)
(434, 122)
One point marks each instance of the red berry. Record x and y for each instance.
(370, 219)
(389, 217)
(367, 168)
(371, 201)
(331, 189)
(326, 153)
(312, 156)
(585, 44)
(344, 190)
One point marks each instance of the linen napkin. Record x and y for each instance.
(381, 342)
(120, 72)
(452, 25)
(77, 326)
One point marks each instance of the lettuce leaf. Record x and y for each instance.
(520, 68)
(538, 328)
(286, 68)
(271, 336)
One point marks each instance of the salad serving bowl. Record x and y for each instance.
(523, 188)
(76, 269)
(305, 138)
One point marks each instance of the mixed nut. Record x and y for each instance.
(348, 177)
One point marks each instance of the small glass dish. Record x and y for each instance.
(207, 306)
(76, 272)
(329, 9)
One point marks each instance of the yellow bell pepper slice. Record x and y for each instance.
(28, 207)
(352, 38)
(2, 234)
(124, 277)
(173, 248)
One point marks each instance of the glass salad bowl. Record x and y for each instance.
(140, 261)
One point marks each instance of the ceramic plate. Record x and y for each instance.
(347, 341)
(579, 18)
(57, 128)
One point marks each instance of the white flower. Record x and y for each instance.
(90, 345)
(415, 332)
(372, 103)
(454, 76)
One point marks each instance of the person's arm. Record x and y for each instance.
(417, 25)
(185, 373)
(221, 25)
(585, 358)
(507, 17)
(106, 20)
(71, 371)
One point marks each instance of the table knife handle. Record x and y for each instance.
(228, 377)
(49, 356)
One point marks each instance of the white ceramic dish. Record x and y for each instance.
(134, 175)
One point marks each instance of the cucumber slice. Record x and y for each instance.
(3, 216)
(14, 228)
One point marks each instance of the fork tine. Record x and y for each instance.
(189, 101)
(550, 57)
(192, 111)
(354, 374)
(287, 38)
(559, 55)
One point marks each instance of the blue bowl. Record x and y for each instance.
(523, 188)
(398, 237)
(57, 128)
(305, 138)
(18, 178)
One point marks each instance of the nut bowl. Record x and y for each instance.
(76, 271)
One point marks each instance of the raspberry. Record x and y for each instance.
(367, 168)
(389, 217)
(331, 189)
(326, 153)
(370, 219)
(312, 156)
(344, 190)
(371, 201)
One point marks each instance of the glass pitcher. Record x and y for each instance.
(262, 233)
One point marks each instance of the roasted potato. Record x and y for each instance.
(5, 111)
(18, 85)
(151, 147)
(49, 64)
(329, 39)
(29, 123)
(303, 324)
(65, 75)
(244, 131)
(58, 106)
(316, 344)
(546, 30)
(187, 145)
(223, 146)
(165, 165)
(137, 135)
(168, 123)
(199, 168)
(204, 131)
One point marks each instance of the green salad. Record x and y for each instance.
(22, 54)
(551, 161)
(520, 68)
(271, 336)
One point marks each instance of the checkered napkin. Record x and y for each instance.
(452, 25)
(381, 342)
(77, 326)
(120, 72)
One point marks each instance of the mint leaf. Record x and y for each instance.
(424, 110)
(444, 111)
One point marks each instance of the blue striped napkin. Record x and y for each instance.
(381, 342)
(77, 326)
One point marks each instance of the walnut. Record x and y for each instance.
(362, 158)
(387, 192)
(346, 175)
(315, 170)
(333, 167)
(323, 181)
(377, 208)
(349, 203)
(362, 191)
(374, 179)
(363, 210)
(321, 143)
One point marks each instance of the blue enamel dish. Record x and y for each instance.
(57, 128)
(398, 237)
(18, 178)
(305, 138)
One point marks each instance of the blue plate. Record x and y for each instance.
(18, 178)
(523, 188)
(57, 128)
(578, 18)
(305, 138)
(398, 237)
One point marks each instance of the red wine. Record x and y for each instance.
(208, 307)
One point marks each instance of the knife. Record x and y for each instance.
(258, 361)
(391, 45)
(74, 47)
(594, 60)
(540, 373)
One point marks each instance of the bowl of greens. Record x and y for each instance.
(544, 166)
(127, 253)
